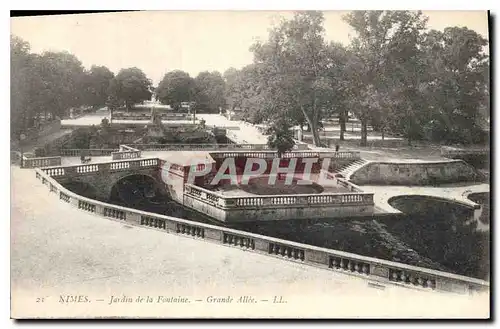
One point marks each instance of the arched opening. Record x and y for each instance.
(138, 191)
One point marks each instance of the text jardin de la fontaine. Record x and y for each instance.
(210, 299)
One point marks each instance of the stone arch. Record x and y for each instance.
(157, 185)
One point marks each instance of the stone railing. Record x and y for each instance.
(195, 147)
(87, 152)
(147, 116)
(277, 201)
(77, 170)
(451, 152)
(40, 162)
(300, 200)
(126, 152)
(124, 116)
(349, 185)
(293, 154)
(369, 268)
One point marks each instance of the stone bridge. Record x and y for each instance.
(102, 177)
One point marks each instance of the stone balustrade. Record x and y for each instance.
(85, 169)
(372, 269)
(292, 154)
(277, 201)
(450, 152)
(199, 147)
(187, 147)
(87, 152)
(347, 184)
(40, 162)
(126, 152)
(147, 116)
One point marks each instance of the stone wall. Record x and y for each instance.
(272, 208)
(425, 173)
(204, 208)
(296, 212)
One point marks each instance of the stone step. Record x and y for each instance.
(347, 171)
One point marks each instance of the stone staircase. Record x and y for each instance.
(349, 169)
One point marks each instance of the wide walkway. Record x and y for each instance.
(57, 251)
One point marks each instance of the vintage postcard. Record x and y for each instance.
(250, 164)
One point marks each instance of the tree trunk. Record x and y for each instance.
(314, 129)
(364, 132)
(342, 121)
(409, 130)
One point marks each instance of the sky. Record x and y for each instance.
(193, 41)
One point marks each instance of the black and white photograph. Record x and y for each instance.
(299, 164)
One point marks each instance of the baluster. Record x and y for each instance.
(343, 264)
(420, 282)
(276, 249)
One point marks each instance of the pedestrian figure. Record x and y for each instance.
(337, 147)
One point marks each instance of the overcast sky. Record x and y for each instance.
(195, 41)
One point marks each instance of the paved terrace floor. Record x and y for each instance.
(56, 249)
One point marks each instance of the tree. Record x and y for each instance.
(130, 86)
(458, 87)
(55, 84)
(20, 82)
(43, 87)
(245, 89)
(209, 91)
(293, 66)
(175, 87)
(97, 82)
(337, 61)
(388, 60)
(113, 103)
(231, 87)
(280, 136)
